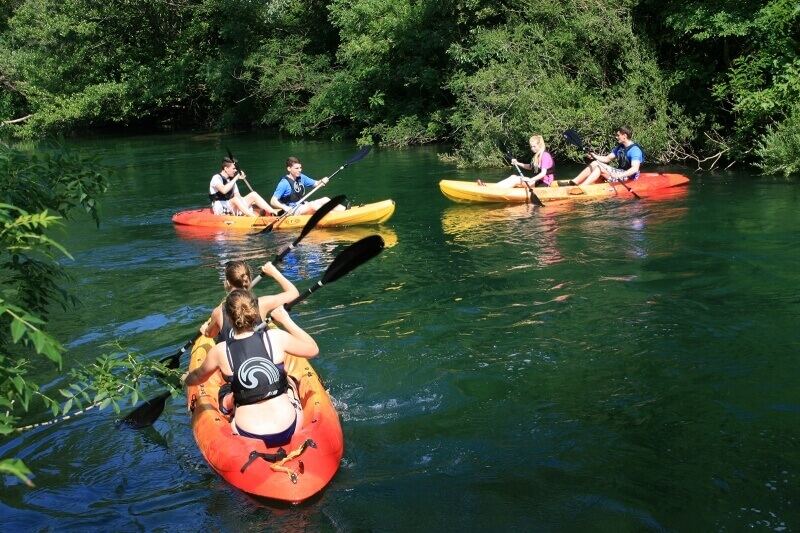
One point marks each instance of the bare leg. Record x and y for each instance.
(596, 173)
(241, 206)
(318, 203)
(253, 198)
(511, 181)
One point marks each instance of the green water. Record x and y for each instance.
(614, 365)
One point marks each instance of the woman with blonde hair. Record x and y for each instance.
(541, 165)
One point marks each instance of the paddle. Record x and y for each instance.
(238, 170)
(312, 222)
(572, 137)
(149, 411)
(358, 157)
(354, 255)
(351, 257)
(534, 199)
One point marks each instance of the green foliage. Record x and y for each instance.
(735, 64)
(536, 79)
(697, 76)
(779, 148)
(33, 187)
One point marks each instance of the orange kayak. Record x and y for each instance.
(291, 473)
(374, 213)
(646, 184)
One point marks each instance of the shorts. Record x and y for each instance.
(272, 440)
(224, 208)
(615, 172)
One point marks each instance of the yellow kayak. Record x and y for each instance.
(647, 184)
(374, 213)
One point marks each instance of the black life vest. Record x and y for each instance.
(255, 376)
(298, 190)
(220, 197)
(622, 155)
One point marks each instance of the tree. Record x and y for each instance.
(736, 66)
(589, 71)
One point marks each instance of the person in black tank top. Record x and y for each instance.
(266, 407)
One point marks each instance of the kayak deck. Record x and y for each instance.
(471, 192)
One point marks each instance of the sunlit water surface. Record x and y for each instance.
(614, 365)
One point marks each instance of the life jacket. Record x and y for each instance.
(218, 196)
(298, 191)
(255, 377)
(622, 155)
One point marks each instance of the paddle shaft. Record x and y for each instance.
(533, 197)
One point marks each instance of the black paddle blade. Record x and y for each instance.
(175, 359)
(351, 257)
(147, 413)
(235, 163)
(311, 224)
(329, 206)
(360, 155)
(354, 255)
(573, 138)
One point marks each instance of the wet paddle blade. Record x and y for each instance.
(311, 224)
(351, 257)
(147, 413)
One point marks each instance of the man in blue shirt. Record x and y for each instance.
(291, 190)
(629, 157)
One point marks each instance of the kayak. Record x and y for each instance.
(291, 473)
(374, 213)
(646, 184)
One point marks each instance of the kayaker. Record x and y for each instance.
(541, 164)
(239, 276)
(629, 157)
(225, 197)
(292, 187)
(267, 403)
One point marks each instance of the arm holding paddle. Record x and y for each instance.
(294, 339)
(271, 301)
(225, 196)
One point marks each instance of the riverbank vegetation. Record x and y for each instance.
(38, 194)
(703, 82)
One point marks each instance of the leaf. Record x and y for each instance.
(16, 467)
(18, 329)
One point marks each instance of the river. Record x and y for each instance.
(614, 365)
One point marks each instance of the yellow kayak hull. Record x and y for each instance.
(374, 213)
(470, 192)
